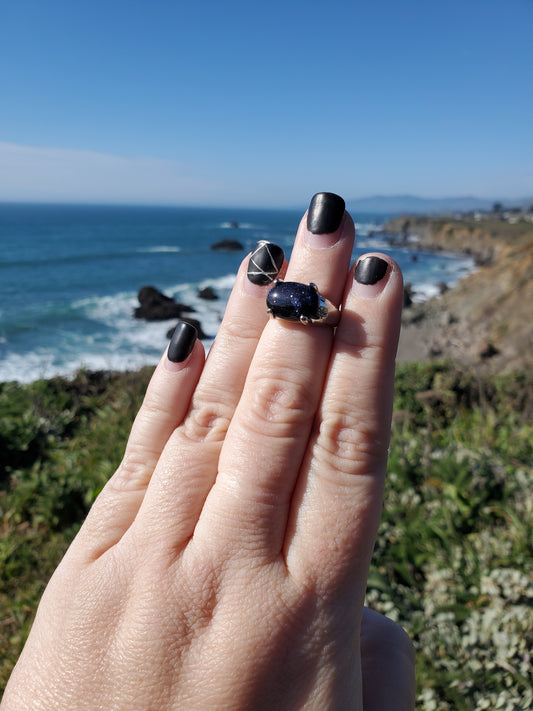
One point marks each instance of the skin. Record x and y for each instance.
(224, 564)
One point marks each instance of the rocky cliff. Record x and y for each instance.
(487, 318)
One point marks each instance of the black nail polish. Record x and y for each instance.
(370, 270)
(265, 262)
(182, 342)
(325, 213)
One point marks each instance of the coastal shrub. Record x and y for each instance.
(452, 561)
(30, 419)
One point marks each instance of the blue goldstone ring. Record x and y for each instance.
(292, 301)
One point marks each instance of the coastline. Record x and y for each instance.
(454, 475)
(485, 319)
(481, 320)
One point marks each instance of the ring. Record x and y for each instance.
(292, 301)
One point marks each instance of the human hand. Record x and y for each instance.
(224, 564)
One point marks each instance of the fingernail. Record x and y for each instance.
(370, 270)
(182, 342)
(265, 262)
(325, 213)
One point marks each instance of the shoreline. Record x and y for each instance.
(484, 320)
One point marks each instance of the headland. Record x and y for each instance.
(486, 319)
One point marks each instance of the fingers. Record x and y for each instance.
(264, 446)
(188, 466)
(337, 504)
(165, 404)
(222, 381)
(388, 665)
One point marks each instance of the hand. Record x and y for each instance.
(224, 565)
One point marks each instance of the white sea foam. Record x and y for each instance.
(365, 228)
(116, 340)
(424, 292)
(238, 225)
(112, 339)
(101, 333)
(34, 365)
(161, 248)
(375, 243)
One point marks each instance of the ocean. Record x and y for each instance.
(69, 277)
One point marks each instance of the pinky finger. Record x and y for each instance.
(164, 407)
(388, 665)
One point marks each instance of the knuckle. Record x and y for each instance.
(237, 327)
(280, 405)
(152, 408)
(349, 444)
(134, 471)
(156, 403)
(208, 422)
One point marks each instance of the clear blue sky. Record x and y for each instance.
(263, 103)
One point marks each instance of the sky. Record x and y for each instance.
(263, 103)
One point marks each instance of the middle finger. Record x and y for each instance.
(263, 449)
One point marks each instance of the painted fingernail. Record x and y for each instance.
(325, 213)
(182, 342)
(265, 262)
(370, 270)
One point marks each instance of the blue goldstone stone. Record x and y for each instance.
(290, 300)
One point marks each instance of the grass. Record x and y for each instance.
(453, 559)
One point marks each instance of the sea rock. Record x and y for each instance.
(156, 306)
(207, 293)
(407, 295)
(228, 245)
(194, 322)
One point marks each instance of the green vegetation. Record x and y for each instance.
(453, 561)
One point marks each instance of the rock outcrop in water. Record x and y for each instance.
(156, 306)
(228, 245)
(208, 293)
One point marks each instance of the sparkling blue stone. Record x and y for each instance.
(291, 300)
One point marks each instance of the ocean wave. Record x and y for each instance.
(106, 335)
(66, 259)
(373, 243)
(28, 367)
(161, 248)
(99, 332)
(238, 226)
(366, 228)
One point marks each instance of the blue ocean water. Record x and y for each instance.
(69, 277)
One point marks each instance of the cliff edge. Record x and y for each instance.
(487, 318)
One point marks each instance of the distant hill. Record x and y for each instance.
(399, 204)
